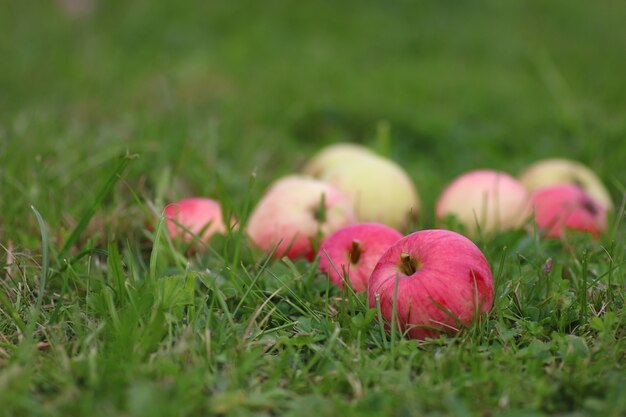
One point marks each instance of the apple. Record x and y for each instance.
(443, 282)
(484, 200)
(191, 217)
(294, 213)
(380, 190)
(564, 171)
(354, 250)
(337, 154)
(559, 208)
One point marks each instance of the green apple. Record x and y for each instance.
(380, 190)
(557, 171)
(337, 154)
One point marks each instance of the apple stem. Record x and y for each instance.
(408, 265)
(355, 251)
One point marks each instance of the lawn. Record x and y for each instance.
(107, 115)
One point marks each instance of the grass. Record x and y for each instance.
(107, 117)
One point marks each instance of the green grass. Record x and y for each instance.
(105, 118)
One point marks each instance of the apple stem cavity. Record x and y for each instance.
(355, 251)
(408, 265)
(578, 184)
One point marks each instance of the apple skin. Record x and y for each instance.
(355, 249)
(450, 273)
(559, 208)
(198, 215)
(485, 199)
(332, 155)
(286, 214)
(556, 171)
(380, 190)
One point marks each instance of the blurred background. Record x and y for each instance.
(208, 92)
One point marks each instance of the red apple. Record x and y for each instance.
(485, 199)
(194, 216)
(561, 207)
(295, 212)
(355, 250)
(443, 281)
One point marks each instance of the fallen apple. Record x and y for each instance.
(438, 281)
(380, 190)
(484, 200)
(559, 208)
(336, 154)
(201, 217)
(351, 252)
(295, 212)
(556, 171)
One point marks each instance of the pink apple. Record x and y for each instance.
(294, 213)
(485, 200)
(194, 216)
(561, 207)
(441, 276)
(355, 249)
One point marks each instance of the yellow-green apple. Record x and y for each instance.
(201, 217)
(337, 154)
(438, 281)
(351, 252)
(559, 208)
(380, 190)
(294, 213)
(484, 200)
(555, 171)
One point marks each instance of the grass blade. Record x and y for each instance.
(45, 262)
(91, 211)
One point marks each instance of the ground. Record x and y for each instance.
(108, 114)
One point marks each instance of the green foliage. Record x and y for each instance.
(102, 314)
